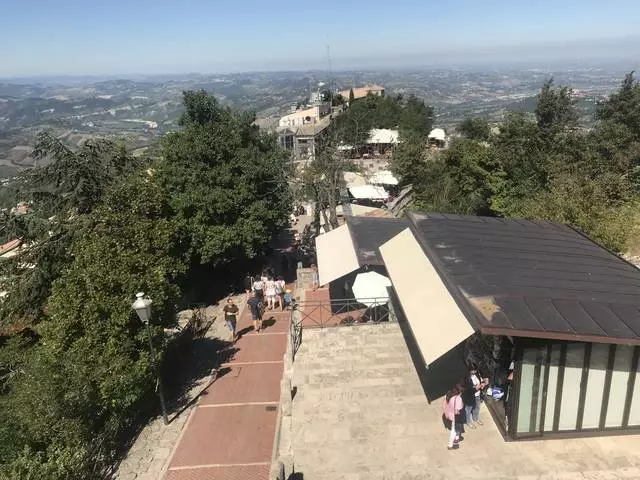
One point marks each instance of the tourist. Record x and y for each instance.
(247, 282)
(270, 292)
(452, 407)
(231, 317)
(315, 278)
(288, 299)
(255, 305)
(258, 289)
(473, 394)
(280, 287)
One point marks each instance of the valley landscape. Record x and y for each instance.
(140, 110)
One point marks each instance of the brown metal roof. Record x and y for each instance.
(532, 278)
(368, 233)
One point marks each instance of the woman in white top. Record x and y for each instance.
(270, 292)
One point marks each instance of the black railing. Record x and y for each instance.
(336, 313)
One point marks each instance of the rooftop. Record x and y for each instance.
(532, 278)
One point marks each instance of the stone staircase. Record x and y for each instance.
(357, 395)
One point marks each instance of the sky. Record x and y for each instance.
(107, 37)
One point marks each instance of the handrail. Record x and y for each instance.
(336, 313)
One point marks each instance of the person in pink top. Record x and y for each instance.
(451, 407)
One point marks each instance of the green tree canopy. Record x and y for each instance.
(228, 182)
(475, 128)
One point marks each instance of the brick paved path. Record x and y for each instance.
(230, 433)
(149, 455)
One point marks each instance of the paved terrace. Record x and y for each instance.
(360, 413)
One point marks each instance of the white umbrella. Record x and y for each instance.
(370, 288)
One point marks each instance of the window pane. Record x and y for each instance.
(595, 385)
(619, 382)
(526, 390)
(571, 386)
(634, 414)
(531, 383)
(552, 388)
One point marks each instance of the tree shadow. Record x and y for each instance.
(296, 476)
(187, 365)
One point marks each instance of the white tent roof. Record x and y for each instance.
(369, 191)
(384, 177)
(438, 134)
(382, 135)
(336, 254)
(353, 179)
(436, 321)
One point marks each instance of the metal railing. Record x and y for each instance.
(336, 313)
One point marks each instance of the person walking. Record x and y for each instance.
(280, 287)
(452, 406)
(255, 305)
(231, 317)
(270, 292)
(247, 283)
(258, 289)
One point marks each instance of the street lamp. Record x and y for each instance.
(142, 306)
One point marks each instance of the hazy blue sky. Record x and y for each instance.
(52, 37)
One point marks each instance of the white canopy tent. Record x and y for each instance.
(383, 177)
(370, 192)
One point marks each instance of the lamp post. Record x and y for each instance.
(142, 306)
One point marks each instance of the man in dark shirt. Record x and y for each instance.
(256, 312)
(231, 317)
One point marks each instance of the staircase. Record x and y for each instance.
(356, 400)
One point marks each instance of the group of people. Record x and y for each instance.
(264, 292)
(461, 407)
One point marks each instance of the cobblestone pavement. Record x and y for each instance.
(149, 455)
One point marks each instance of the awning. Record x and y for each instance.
(336, 254)
(369, 192)
(435, 319)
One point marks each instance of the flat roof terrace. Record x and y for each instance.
(360, 413)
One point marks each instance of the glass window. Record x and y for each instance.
(634, 414)
(595, 385)
(571, 386)
(619, 383)
(531, 383)
(552, 388)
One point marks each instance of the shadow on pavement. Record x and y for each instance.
(186, 367)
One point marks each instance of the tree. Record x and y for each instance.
(228, 182)
(352, 97)
(475, 129)
(71, 185)
(555, 108)
(90, 371)
(623, 106)
(415, 117)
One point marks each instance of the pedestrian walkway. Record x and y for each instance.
(231, 432)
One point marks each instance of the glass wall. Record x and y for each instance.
(574, 387)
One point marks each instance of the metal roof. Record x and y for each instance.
(368, 233)
(532, 278)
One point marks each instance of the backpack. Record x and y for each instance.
(279, 287)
